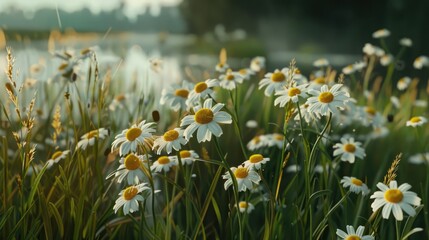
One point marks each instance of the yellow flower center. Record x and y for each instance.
(133, 133)
(255, 158)
(326, 97)
(242, 204)
(171, 135)
(353, 237)
(92, 134)
(204, 116)
(230, 77)
(297, 71)
(120, 97)
(163, 160)
(56, 154)
(130, 193)
(185, 154)
(415, 119)
(278, 77)
(132, 162)
(357, 182)
(256, 139)
(200, 87)
(349, 148)
(243, 71)
(320, 80)
(241, 172)
(293, 92)
(393, 195)
(371, 111)
(220, 65)
(182, 93)
(278, 137)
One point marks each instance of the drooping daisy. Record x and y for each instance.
(131, 138)
(56, 157)
(164, 163)
(188, 156)
(356, 185)
(416, 121)
(406, 42)
(321, 62)
(349, 150)
(201, 91)
(245, 207)
(327, 100)
(230, 79)
(290, 94)
(257, 64)
(386, 59)
(381, 33)
(245, 178)
(171, 139)
(403, 83)
(274, 81)
(257, 142)
(131, 168)
(175, 96)
(255, 161)
(206, 120)
(246, 73)
(420, 62)
(130, 197)
(395, 199)
(352, 235)
(88, 139)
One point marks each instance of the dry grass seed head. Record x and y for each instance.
(391, 173)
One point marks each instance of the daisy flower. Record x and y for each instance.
(395, 199)
(406, 42)
(118, 102)
(369, 116)
(246, 73)
(257, 64)
(230, 79)
(245, 207)
(349, 69)
(416, 121)
(201, 91)
(395, 101)
(403, 83)
(171, 139)
(131, 168)
(176, 95)
(88, 139)
(56, 157)
(327, 100)
(275, 139)
(349, 150)
(291, 93)
(130, 198)
(164, 163)
(257, 142)
(378, 132)
(358, 66)
(420, 62)
(381, 33)
(245, 178)
(221, 67)
(370, 49)
(352, 235)
(308, 116)
(274, 81)
(321, 62)
(419, 158)
(131, 138)
(386, 59)
(255, 161)
(206, 120)
(356, 185)
(188, 156)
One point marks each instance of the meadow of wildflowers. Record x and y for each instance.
(233, 152)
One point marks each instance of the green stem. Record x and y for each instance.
(237, 125)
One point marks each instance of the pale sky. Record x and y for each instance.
(132, 8)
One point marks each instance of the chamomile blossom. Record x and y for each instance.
(352, 234)
(358, 66)
(367, 116)
(245, 207)
(88, 139)
(131, 168)
(257, 64)
(370, 50)
(349, 69)
(327, 100)
(386, 59)
(175, 96)
(416, 121)
(221, 67)
(230, 79)
(349, 150)
(275, 140)
(255, 161)
(56, 157)
(188, 156)
(245, 177)
(130, 197)
(403, 83)
(406, 42)
(257, 142)
(172, 139)
(395, 199)
(420, 62)
(274, 81)
(308, 116)
(290, 94)
(356, 185)
(381, 33)
(321, 62)
(119, 102)
(164, 163)
(246, 73)
(201, 91)
(133, 137)
(206, 120)
(419, 158)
